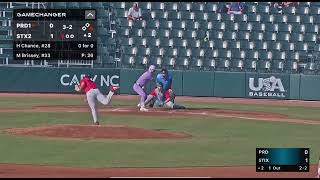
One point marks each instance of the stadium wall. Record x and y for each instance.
(187, 83)
(309, 87)
(52, 80)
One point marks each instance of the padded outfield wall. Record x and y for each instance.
(187, 83)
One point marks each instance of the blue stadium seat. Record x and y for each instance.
(211, 7)
(178, 42)
(257, 36)
(171, 6)
(163, 15)
(314, 10)
(230, 35)
(278, 66)
(157, 52)
(270, 36)
(154, 24)
(169, 62)
(197, 6)
(310, 37)
(291, 67)
(296, 37)
(120, 5)
(150, 33)
(260, 45)
(187, 6)
(173, 15)
(155, 60)
(283, 36)
(241, 18)
(286, 46)
(158, 6)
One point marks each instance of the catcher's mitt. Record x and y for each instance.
(172, 95)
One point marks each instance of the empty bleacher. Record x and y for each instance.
(262, 39)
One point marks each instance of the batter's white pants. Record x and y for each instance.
(95, 94)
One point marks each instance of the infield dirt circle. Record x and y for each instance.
(94, 132)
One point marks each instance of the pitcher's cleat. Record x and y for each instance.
(142, 109)
(96, 123)
(114, 88)
(138, 105)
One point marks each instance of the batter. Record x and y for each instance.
(138, 86)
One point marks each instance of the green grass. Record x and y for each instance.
(292, 112)
(214, 142)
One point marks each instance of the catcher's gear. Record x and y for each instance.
(176, 106)
(172, 95)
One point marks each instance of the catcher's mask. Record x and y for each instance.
(159, 85)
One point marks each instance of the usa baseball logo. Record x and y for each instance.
(267, 87)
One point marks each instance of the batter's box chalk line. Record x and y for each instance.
(198, 113)
(120, 110)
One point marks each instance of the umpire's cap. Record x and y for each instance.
(164, 70)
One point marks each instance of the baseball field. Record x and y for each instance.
(51, 135)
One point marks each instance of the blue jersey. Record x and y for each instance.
(166, 83)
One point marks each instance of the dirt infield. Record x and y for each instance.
(12, 170)
(23, 171)
(208, 112)
(183, 99)
(94, 132)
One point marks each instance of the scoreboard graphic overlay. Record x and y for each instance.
(282, 159)
(54, 34)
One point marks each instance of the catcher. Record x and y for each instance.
(93, 94)
(159, 99)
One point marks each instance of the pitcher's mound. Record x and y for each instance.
(94, 132)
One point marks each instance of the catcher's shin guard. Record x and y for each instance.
(149, 101)
(178, 107)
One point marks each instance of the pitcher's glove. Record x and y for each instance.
(76, 88)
